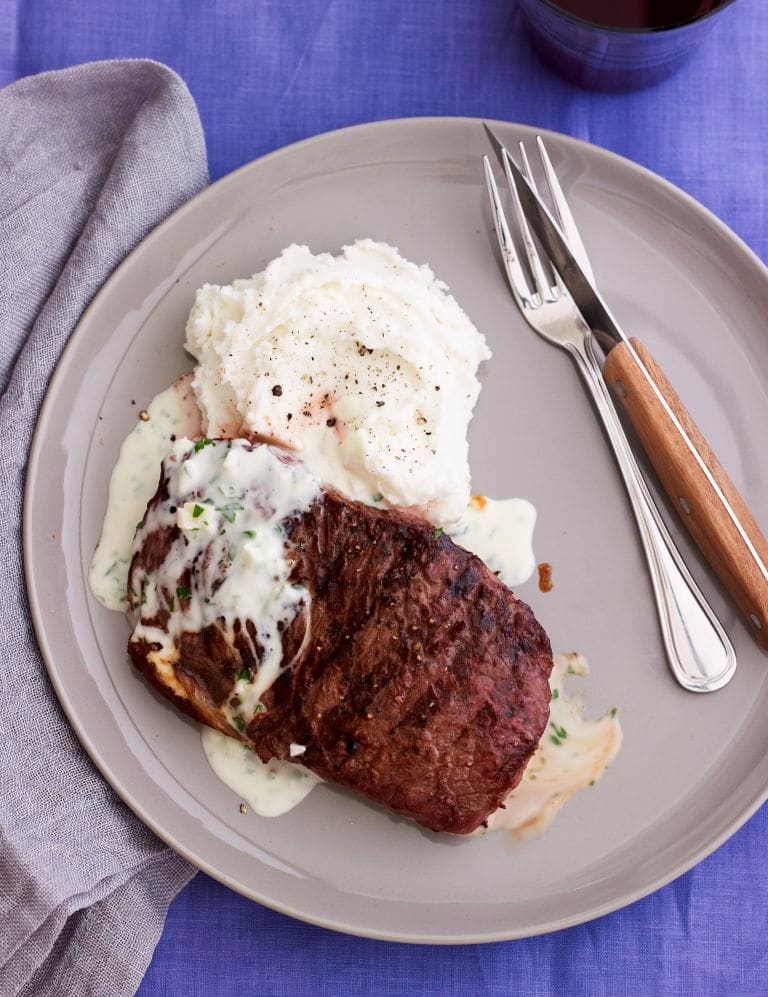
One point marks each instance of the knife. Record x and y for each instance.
(705, 498)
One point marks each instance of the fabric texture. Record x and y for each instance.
(267, 73)
(91, 159)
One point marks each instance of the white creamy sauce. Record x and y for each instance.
(361, 362)
(173, 412)
(230, 502)
(270, 788)
(500, 532)
(572, 755)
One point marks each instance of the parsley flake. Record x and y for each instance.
(183, 591)
(205, 442)
(230, 510)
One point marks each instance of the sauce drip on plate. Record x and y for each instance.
(171, 414)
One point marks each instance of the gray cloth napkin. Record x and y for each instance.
(91, 159)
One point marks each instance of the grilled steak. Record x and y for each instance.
(421, 683)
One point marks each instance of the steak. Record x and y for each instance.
(416, 677)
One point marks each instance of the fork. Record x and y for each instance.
(699, 652)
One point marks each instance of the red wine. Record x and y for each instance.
(648, 14)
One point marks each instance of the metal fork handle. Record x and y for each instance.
(699, 651)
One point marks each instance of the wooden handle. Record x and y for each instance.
(687, 485)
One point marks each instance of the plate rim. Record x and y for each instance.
(49, 657)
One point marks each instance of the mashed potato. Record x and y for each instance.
(363, 362)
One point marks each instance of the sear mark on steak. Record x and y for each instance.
(424, 685)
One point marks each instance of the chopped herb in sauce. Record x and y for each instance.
(143, 594)
(560, 732)
(378, 497)
(438, 532)
(614, 711)
(205, 442)
(258, 493)
(555, 693)
(230, 510)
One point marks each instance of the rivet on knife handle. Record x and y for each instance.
(739, 557)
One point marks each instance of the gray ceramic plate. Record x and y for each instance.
(693, 767)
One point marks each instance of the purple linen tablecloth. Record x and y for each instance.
(274, 71)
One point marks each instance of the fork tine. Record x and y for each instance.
(528, 174)
(543, 286)
(527, 171)
(563, 214)
(515, 274)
